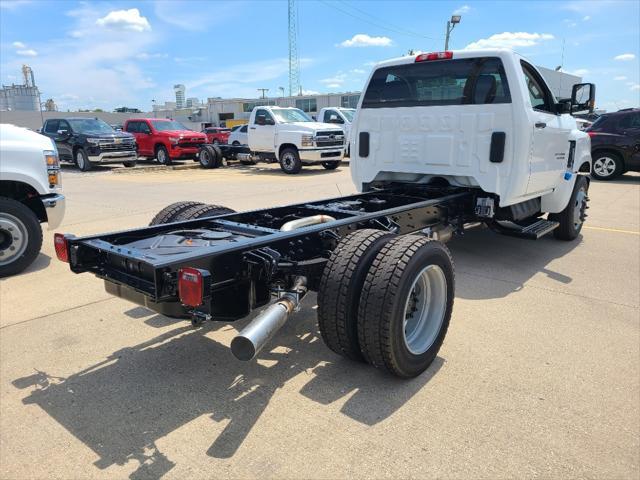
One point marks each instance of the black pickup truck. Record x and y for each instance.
(85, 141)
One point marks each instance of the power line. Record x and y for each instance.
(394, 29)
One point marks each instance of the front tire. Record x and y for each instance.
(574, 214)
(129, 164)
(162, 155)
(607, 166)
(331, 165)
(340, 286)
(290, 161)
(82, 161)
(210, 156)
(20, 236)
(406, 305)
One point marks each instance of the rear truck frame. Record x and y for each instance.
(377, 259)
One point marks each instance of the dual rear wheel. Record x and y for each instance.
(387, 300)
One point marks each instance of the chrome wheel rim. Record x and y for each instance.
(579, 207)
(204, 157)
(288, 161)
(162, 156)
(424, 309)
(13, 238)
(80, 159)
(604, 166)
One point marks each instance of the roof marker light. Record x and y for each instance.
(426, 57)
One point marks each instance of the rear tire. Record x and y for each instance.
(202, 211)
(210, 157)
(129, 164)
(170, 212)
(573, 216)
(607, 166)
(406, 305)
(290, 161)
(340, 286)
(162, 155)
(20, 236)
(82, 161)
(330, 165)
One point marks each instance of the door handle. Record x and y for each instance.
(252, 128)
(541, 125)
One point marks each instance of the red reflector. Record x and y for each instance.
(425, 57)
(61, 247)
(191, 286)
(592, 134)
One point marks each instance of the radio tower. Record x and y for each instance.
(294, 61)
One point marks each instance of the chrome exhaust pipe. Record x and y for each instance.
(257, 334)
(306, 221)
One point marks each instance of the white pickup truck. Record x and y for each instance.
(478, 119)
(339, 116)
(29, 195)
(291, 137)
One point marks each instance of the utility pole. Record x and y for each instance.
(451, 24)
(294, 60)
(263, 90)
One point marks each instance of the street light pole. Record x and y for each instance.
(451, 24)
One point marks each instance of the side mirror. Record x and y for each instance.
(261, 120)
(583, 97)
(63, 133)
(335, 119)
(563, 105)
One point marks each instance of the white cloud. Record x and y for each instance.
(29, 52)
(13, 4)
(624, 57)
(580, 72)
(198, 16)
(358, 71)
(364, 40)
(19, 45)
(149, 56)
(462, 9)
(125, 20)
(620, 77)
(310, 92)
(586, 18)
(334, 85)
(510, 40)
(635, 86)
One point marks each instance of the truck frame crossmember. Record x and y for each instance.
(252, 255)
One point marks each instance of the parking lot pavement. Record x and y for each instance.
(539, 375)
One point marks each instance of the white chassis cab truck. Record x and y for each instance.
(30, 194)
(441, 142)
(339, 116)
(291, 137)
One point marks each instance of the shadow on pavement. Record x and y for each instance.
(121, 406)
(275, 170)
(504, 264)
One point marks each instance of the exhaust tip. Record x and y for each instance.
(243, 348)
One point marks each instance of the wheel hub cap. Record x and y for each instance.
(604, 166)
(579, 207)
(13, 238)
(424, 309)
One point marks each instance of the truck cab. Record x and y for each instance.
(482, 119)
(339, 116)
(31, 188)
(291, 137)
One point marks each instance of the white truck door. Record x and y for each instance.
(262, 132)
(550, 145)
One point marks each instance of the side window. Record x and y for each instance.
(143, 127)
(327, 115)
(540, 97)
(132, 127)
(631, 120)
(52, 126)
(64, 125)
(244, 129)
(267, 117)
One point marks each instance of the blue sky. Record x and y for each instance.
(108, 54)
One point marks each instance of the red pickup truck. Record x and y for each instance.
(217, 135)
(164, 139)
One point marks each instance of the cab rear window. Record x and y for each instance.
(473, 81)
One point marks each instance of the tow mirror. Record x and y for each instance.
(583, 97)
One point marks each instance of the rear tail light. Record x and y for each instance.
(61, 246)
(194, 285)
(592, 134)
(425, 57)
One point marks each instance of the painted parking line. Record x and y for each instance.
(616, 230)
